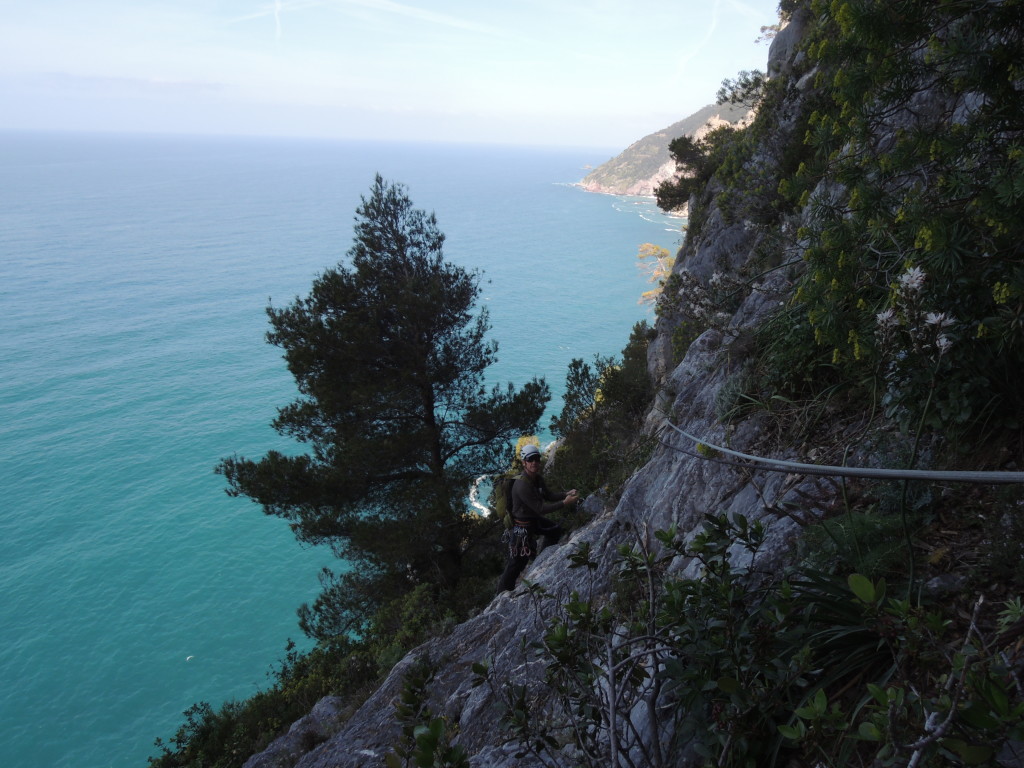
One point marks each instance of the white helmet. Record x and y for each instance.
(529, 450)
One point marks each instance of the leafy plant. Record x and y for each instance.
(604, 405)
(228, 736)
(913, 240)
(745, 669)
(426, 741)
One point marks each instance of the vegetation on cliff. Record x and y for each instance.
(882, 176)
(904, 174)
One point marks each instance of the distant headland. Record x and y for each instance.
(644, 164)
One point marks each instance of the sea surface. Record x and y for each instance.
(134, 276)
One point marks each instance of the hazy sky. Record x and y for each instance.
(567, 72)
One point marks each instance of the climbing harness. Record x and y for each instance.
(520, 541)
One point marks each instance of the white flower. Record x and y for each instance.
(939, 319)
(912, 280)
(887, 318)
(943, 343)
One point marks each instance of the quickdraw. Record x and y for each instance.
(520, 541)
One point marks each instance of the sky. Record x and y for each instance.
(599, 73)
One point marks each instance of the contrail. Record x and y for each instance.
(684, 60)
(276, 10)
(403, 9)
(387, 6)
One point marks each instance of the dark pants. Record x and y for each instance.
(522, 546)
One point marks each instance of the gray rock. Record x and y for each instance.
(313, 729)
(782, 55)
(944, 584)
(1011, 755)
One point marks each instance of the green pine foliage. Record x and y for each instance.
(393, 416)
(747, 89)
(395, 424)
(698, 159)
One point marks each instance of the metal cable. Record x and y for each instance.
(776, 465)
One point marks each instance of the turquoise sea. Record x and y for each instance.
(134, 273)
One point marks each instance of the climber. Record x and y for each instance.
(531, 500)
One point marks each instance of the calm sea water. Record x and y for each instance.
(134, 273)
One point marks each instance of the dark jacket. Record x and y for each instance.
(531, 500)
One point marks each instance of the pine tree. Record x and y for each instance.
(389, 361)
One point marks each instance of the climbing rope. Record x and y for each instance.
(776, 465)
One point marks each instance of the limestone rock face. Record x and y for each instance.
(304, 735)
(676, 487)
(495, 634)
(782, 56)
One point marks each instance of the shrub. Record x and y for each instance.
(599, 423)
(750, 668)
(914, 240)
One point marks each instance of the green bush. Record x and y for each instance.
(426, 739)
(230, 735)
(913, 252)
(604, 407)
(751, 668)
(351, 668)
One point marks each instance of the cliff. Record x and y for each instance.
(644, 164)
(700, 358)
